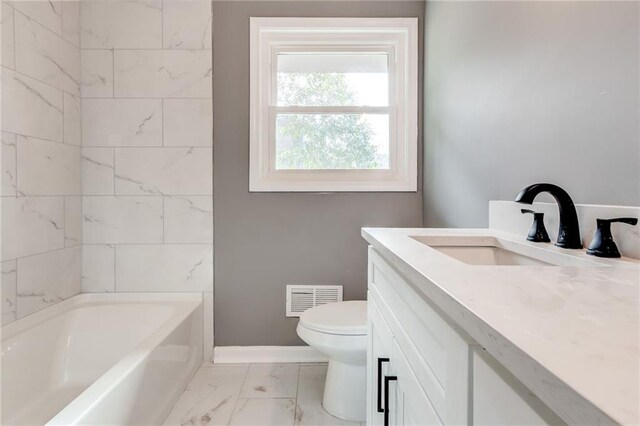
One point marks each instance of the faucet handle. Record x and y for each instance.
(602, 244)
(537, 233)
(628, 220)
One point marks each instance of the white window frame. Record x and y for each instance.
(396, 36)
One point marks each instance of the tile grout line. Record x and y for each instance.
(62, 22)
(164, 215)
(64, 221)
(59, 36)
(113, 73)
(162, 24)
(151, 49)
(13, 19)
(16, 162)
(186, 147)
(235, 405)
(144, 244)
(16, 315)
(295, 402)
(41, 139)
(162, 119)
(80, 33)
(203, 328)
(183, 98)
(115, 281)
(114, 172)
(63, 118)
(42, 81)
(81, 150)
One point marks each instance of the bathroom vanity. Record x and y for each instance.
(480, 326)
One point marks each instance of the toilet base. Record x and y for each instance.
(345, 391)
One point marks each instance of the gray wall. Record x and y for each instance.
(264, 241)
(519, 92)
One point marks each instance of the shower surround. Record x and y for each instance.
(41, 149)
(121, 200)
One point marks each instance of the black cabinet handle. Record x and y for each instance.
(387, 379)
(380, 361)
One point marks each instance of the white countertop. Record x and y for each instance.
(569, 333)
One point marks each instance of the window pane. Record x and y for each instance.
(345, 79)
(332, 141)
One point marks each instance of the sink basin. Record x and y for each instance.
(474, 250)
(488, 255)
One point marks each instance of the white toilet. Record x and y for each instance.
(339, 330)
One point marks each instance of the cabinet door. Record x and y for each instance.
(379, 360)
(416, 408)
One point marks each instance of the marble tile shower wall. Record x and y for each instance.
(41, 167)
(147, 215)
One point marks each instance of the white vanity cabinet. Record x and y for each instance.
(434, 372)
(413, 343)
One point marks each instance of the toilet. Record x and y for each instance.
(339, 331)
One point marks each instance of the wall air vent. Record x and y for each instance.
(302, 297)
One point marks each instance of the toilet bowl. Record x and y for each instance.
(339, 331)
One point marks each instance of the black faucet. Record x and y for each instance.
(569, 232)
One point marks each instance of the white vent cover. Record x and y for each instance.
(302, 297)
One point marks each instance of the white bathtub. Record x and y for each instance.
(110, 359)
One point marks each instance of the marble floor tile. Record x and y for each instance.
(210, 397)
(271, 381)
(215, 396)
(267, 412)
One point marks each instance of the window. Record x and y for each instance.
(333, 104)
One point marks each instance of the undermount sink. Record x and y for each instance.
(475, 250)
(488, 255)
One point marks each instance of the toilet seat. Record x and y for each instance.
(342, 318)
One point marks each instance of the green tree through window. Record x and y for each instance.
(322, 141)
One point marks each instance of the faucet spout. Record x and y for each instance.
(569, 231)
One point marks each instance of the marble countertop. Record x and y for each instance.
(569, 333)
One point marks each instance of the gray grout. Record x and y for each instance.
(13, 18)
(60, 36)
(147, 146)
(164, 221)
(235, 405)
(145, 97)
(115, 280)
(62, 91)
(113, 75)
(295, 402)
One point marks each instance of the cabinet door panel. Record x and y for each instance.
(396, 402)
(417, 409)
(380, 347)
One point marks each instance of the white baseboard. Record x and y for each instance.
(265, 354)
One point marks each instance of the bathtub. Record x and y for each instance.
(110, 359)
